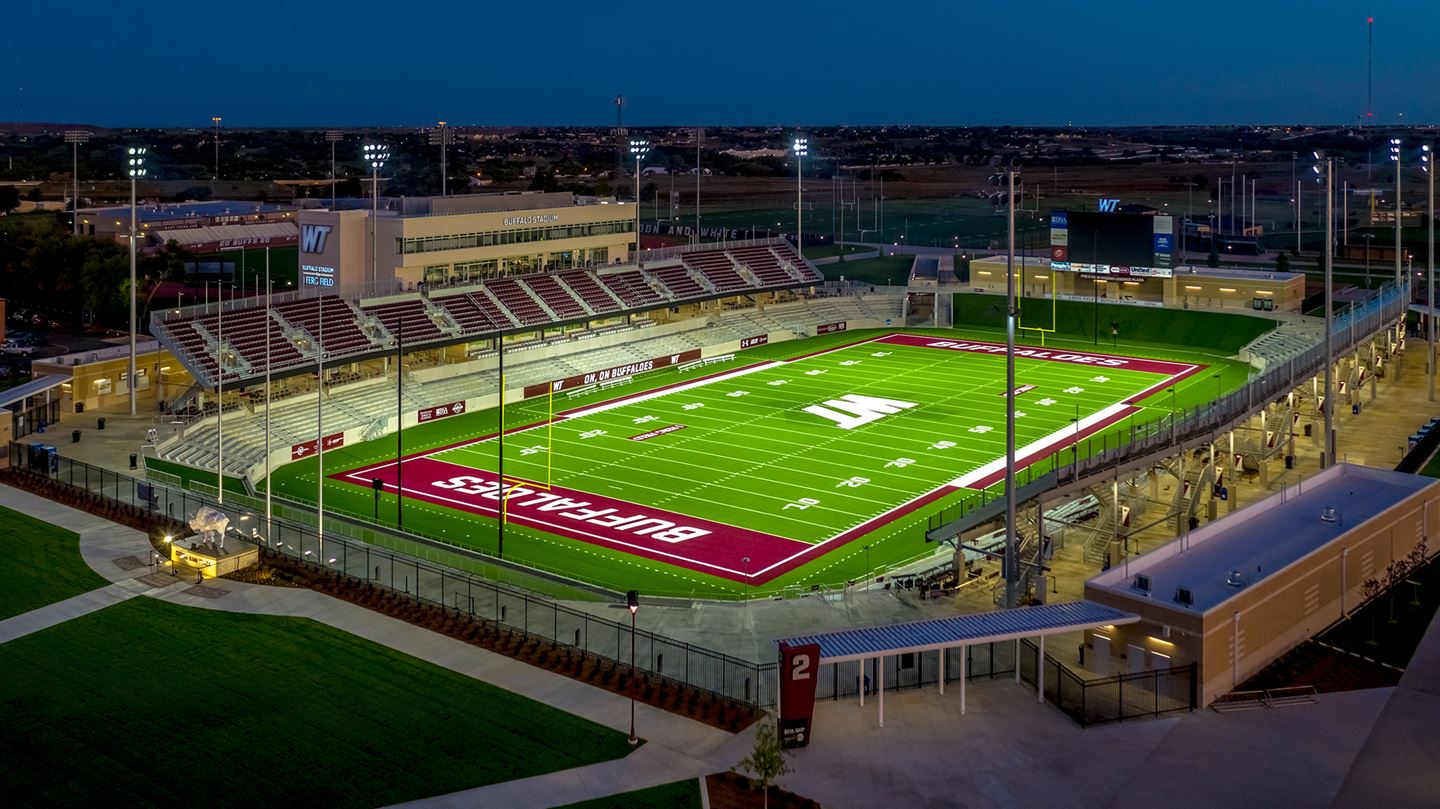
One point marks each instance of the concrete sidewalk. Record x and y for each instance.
(675, 747)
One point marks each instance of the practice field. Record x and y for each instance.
(749, 470)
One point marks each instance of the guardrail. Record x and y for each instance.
(520, 609)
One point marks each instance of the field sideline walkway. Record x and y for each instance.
(674, 747)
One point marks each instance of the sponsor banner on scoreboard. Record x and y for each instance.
(440, 411)
(618, 372)
(831, 328)
(757, 340)
(305, 449)
(799, 667)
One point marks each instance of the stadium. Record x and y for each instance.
(715, 421)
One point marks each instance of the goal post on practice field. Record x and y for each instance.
(1036, 323)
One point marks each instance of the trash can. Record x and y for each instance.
(74, 436)
(100, 423)
(133, 461)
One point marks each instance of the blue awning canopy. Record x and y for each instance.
(985, 627)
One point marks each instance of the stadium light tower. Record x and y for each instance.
(1326, 167)
(136, 167)
(333, 136)
(1395, 158)
(638, 148)
(75, 137)
(216, 120)
(1428, 163)
(1012, 551)
(440, 136)
(375, 154)
(801, 147)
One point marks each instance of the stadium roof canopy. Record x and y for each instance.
(963, 630)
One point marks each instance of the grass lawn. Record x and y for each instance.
(828, 250)
(1432, 467)
(677, 795)
(879, 270)
(148, 703)
(40, 564)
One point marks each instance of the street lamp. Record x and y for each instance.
(375, 154)
(136, 167)
(1395, 158)
(1329, 258)
(801, 147)
(75, 137)
(632, 599)
(638, 148)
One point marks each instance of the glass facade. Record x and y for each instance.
(467, 241)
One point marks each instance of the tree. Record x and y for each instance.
(768, 761)
(1213, 260)
(1282, 263)
(9, 199)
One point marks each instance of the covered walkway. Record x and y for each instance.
(940, 635)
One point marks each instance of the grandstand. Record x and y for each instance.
(353, 400)
(303, 326)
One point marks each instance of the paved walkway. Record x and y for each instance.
(675, 747)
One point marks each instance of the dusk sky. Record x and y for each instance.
(311, 63)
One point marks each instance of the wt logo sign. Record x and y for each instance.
(857, 410)
(313, 237)
(1108, 205)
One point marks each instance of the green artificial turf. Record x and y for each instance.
(880, 270)
(39, 564)
(897, 542)
(1216, 331)
(147, 703)
(676, 795)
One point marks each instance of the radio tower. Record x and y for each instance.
(1369, 70)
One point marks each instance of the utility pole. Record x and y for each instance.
(333, 136)
(216, 119)
(75, 137)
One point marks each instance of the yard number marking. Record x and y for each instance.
(803, 503)
(854, 482)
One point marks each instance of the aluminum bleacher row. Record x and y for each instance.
(293, 330)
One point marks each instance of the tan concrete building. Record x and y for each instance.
(440, 240)
(1213, 288)
(1239, 592)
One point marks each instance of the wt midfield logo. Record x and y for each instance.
(313, 238)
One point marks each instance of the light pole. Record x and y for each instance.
(75, 137)
(333, 136)
(1328, 454)
(269, 321)
(1011, 552)
(375, 154)
(632, 599)
(440, 136)
(1430, 261)
(801, 147)
(638, 148)
(136, 166)
(216, 121)
(1395, 158)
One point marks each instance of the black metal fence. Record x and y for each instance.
(427, 582)
(1087, 700)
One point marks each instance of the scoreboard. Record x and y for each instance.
(1121, 244)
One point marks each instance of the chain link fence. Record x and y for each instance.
(519, 609)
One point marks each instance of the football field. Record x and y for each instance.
(746, 470)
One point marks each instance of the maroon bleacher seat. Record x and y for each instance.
(412, 313)
(554, 296)
(716, 266)
(517, 300)
(630, 287)
(582, 283)
(677, 279)
(468, 314)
